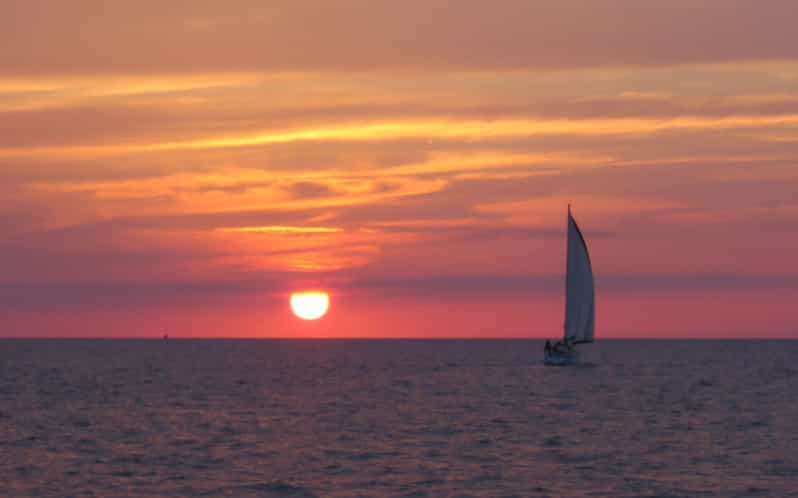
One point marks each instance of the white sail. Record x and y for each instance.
(580, 311)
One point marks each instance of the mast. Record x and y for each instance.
(567, 260)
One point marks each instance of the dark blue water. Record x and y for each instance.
(114, 418)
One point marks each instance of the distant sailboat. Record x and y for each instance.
(580, 308)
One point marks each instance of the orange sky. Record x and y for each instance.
(184, 167)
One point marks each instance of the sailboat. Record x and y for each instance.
(580, 307)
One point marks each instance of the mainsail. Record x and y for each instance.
(580, 311)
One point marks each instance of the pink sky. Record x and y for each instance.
(184, 167)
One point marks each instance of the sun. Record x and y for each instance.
(310, 305)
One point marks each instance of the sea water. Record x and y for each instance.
(341, 418)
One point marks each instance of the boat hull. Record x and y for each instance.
(560, 359)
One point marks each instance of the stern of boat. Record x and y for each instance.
(560, 359)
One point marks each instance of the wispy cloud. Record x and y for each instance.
(430, 129)
(281, 229)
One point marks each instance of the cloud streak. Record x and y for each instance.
(430, 129)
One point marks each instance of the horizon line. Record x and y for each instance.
(389, 338)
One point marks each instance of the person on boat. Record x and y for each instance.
(563, 347)
(547, 347)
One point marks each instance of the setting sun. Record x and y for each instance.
(310, 305)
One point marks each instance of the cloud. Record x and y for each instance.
(309, 190)
(431, 129)
(687, 282)
(94, 37)
(29, 296)
(553, 284)
(98, 295)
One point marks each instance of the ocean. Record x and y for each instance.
(397, 418)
